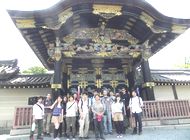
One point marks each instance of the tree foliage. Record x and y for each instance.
(186, 64)
(35, 70)
(183, 66)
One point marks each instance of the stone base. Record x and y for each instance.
(15, 132)
(166, 122)
(170, 122)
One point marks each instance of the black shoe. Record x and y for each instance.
(31, 137)
(105, 133)
(97, 138)
(44, 133)
(111, 133)
(80, 138)
(48, 134)
(86, 137)
(60, 135)
(102, 138)
(134, 133)
(140, 133)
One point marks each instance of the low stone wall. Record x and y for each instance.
(182, 121)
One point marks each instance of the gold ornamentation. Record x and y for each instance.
(83, 84)
(107, 11)
(56, 86)
(69, 69)
(150, 23)
(57, 53)
(69, 53)
(94, 34)
(62, 18)
(98, 71)
(127, 82)
(25, 23)
(149, 84)
(147, 19)
(83, 70)
(54, 50)
(135, 54)
(158, 30)
(114, 83)
(105, 54)
(146, 54)
(112, 70)
(68, 83)
(178, 29)
(99, 83)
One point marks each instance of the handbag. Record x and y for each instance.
(132, 121)
(99, 118)
(33, 126)
(56, 111)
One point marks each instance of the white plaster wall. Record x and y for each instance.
(163, 93)
(10, 98)
(183, 92)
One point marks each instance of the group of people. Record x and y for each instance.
(72, 113)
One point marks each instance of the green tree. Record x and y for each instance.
(186, 64)
(35, 70)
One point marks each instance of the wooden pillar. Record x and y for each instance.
(174, 92)
(57, 79)
(65, 78)
(131, 80)
(147, 86)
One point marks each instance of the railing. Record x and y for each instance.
(152, 110)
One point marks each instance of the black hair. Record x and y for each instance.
(71, 96)
(116, 98)
(40, 97)
(85, 93)
(97, 95)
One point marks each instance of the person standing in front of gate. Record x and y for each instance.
(57, 115)
(107, 120)
(48, 113)
(136, 104)
(125, 95)
(84, 116)
(98, 112)
(117, 115)
(38, 114)
(71, 112)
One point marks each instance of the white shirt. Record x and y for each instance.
(38, 113)
(71, 111)
(85, 106)
(116, 107)
(135, 104)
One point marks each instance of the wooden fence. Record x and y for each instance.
(22, 117)
(152, 110)
(157, 110)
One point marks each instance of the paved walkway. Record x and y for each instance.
(161, 133)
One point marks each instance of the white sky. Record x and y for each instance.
(12, 44)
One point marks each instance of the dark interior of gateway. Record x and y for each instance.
(98, 43)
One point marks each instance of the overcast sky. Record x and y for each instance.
(12, 44)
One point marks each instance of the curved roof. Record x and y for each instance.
(98, 29)
(168, 77)
(8, 69)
